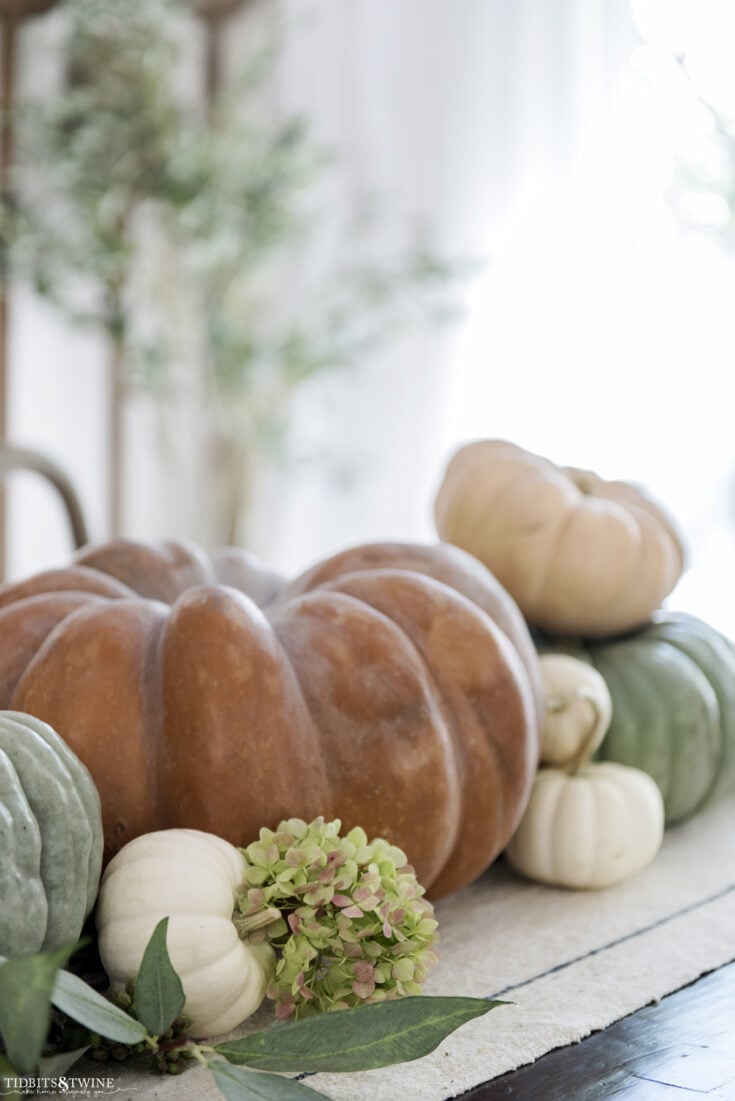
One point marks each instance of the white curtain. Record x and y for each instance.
(467, 115)
(599, 333)
(461, 114)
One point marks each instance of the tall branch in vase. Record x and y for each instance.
(261, 345)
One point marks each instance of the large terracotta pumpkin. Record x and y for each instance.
(392, 686)
(580, 555)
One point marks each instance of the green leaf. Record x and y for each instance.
(25, 1004)
(83, 1004)
(363, 1038)
(253, 1085)
(159, 996)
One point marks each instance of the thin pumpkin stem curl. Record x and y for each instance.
(591, 740)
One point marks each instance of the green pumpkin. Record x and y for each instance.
(673, 690)
(50, 838)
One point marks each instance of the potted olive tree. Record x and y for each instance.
(173, 223)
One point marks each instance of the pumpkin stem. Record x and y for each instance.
(248, 923)
(591, 739)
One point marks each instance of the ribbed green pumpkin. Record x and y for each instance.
(673, 690)
(50, 838)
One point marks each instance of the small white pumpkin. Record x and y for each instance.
(192, 878)
(578, 709)
(589, 829)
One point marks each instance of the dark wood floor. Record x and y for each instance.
(681, 1048)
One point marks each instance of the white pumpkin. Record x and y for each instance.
(578, 709)
(581, 556)
(590, 829)
(192, 878)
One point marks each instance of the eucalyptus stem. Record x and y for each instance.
(197, 1051)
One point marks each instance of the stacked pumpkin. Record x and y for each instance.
(589, 562)
(393, 686)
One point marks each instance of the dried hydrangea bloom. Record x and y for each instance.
(349, 919)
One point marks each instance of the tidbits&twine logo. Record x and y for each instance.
(29, 1086)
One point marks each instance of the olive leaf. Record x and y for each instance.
(159, 996)
(8, 1071)
(363, 1038)
(254, 1085)
(25, 1004)
(85, 1006)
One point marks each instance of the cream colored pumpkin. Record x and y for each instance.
(192, 878)
(578, 709)
(588, 830)
(580, 555)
